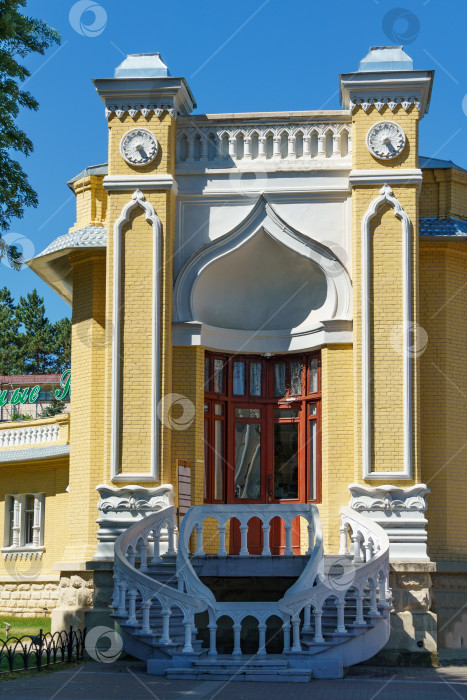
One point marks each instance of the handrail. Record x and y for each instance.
(148, 586)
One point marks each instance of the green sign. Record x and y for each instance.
(31, 394)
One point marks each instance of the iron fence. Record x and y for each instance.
(41, 650)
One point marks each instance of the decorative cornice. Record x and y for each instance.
(409, 176)
(388, 498)
(142, 182)
(134, 498)
(10, 553)
(120, 110)
(379, 101)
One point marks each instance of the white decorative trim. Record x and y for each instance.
(121, 109)
(20, 553)
(409, 176)
(263, 217)
(224, 339)
(379, 101)
(144, 182)
(137, 200)
(32, 454)
(400, 512)
(32, 435)
(386, 196)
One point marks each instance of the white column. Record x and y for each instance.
(318, 639)
(165, 636)
(132, 608)
(288, 551)
(286, 629)
(266, 550)
(233, 147)
(222, 551)
(373, 602)
(291, 147)
(262, 639)
(340, 617)
(122, 602)
(307, 146)
(357, 555)
(321, 144)
(188, 648)
(237, 632)
(246, 147)
(262, 147)
(343, 530)
(276, 153)
(199, 541)
(144, 557)
(145, 629)
(359, 616)
(335, 145)
(204, 147)
(212, 640)
(16, 526)
(307, 619)
(296, 646)
(156, 556)
(244, 540)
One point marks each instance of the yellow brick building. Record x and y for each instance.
(273, 304)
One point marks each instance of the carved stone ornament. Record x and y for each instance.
(385, 140)
(388, 498)
(139, 147)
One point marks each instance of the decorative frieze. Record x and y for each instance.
(121, 109)
(380, 101)
(399, 511)
(121, 507)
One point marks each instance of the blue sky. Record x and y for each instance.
(251, 55)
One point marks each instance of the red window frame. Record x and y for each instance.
(310, 423)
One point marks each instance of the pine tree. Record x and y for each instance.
(61, 333)
(19, 36)
(36, 342)
(9, 326)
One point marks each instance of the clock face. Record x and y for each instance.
(139, 147)
(385, 140)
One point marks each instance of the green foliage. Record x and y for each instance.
(19, 36)
(21, 416)
(29, 342)
(56, 405)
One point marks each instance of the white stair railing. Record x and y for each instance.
(135, 591)
(366, 570)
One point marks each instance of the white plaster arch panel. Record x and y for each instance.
(316, 268)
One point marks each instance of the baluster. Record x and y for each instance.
(359, 620)
(318, 638)
(276, 153)
(157, 541)
(261, 147)
(237, 628)
(204, 147)
(199, 541)
(244, 540)
(171, 549)
(222, 552)
(247, 147)
(233, 147)
(369, 549)
(189, 149)
(307, 145)
(266, 550)
(144, 557)
(340, 605)
(131, 556)
(22, 437)
(212, 640)
(146, 606)
(188, 648)
(382, 580)
(288, 551)
(321, 144)
(357, 555)
(132, 608)
(343, 539)
(335, 145)
(180, 582)
(373, 601)
(291, 147)
(262, 639)
(286, 629)
(306, 629)
(296, 646)
(165, 636)
(122, 602)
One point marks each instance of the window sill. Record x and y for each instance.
(22, 552)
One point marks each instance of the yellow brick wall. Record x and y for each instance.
(87, 397)
(362, 121)
(91, 201)
(443, 314)
(444, 193)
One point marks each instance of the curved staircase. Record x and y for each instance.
(335, 613)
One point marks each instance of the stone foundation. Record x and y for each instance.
(84, 598)
(27, 599)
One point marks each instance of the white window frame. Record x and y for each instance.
(17, 547)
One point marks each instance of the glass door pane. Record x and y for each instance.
(218, 461)
(285, 460)
(247, 460)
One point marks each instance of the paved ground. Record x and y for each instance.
(128, 681)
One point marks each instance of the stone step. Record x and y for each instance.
(225, 672)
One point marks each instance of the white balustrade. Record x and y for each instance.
(234, 145)
(32, 435)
